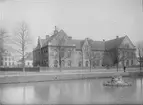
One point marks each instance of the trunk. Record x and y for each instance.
(60, 58)
(140, 64)
(117, 67)
(23, 53)
(23, 64)
(117, 59)
(90, 64)
(82, 59)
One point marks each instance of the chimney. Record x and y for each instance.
(70, 37)
(103, 39)
(55, 31)
(117, 37)
(47, 37)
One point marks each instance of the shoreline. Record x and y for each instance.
(45, 76)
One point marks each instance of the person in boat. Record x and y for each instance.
(117, 79)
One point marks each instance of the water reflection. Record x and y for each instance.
(73, 92)
(17, 95)
(139, 89)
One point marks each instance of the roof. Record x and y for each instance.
(114, 43)
(98, 45)
(77, 43)
(95, 45)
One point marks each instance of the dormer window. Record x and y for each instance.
(126, 45)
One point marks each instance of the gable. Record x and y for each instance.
(60, 38)
(127, 43)
(114, 43)
(86, 46)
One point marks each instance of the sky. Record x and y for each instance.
(95, 19)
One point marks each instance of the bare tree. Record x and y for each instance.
(61, 49)
(114, 57)
(22, 39)
(88, 54)
(140, 53)
(3, 35)
(120, 55)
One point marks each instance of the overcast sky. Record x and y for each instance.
(96, 19)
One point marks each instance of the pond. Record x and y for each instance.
(88, 91)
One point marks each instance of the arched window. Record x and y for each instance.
(55, 63)
(69, 63)
(132, 62)
(86, 63)
(63, 63)
(79, 63)
(94, 64)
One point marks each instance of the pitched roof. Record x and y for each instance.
(114, 43)
(98, 45)
(45, 41)
(77, 43)
(95, 45)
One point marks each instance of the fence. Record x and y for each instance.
(68, 68)
(18, 69)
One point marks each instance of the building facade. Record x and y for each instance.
(60, 50)
(7, 60)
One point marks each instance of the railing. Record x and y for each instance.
(19, 69)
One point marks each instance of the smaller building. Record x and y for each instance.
(7, 60)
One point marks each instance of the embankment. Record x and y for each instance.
(25, 78)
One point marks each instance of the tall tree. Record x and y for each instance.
(3, 35)
(22, 40)
(114, 57)
(120, 55)
(60, 42)
(88, 54)
(61, 49)
(107, 59)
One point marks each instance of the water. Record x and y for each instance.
(72, 92)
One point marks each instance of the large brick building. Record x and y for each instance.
(60, 49)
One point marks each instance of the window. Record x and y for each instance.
(55, 63)
(126, 45)
(5, 58)
(28, 63)
(9, 59)
(132, 62)
(69, 63)
(94, 64)
(86, 63)
(80, 64)
(9, 64)
(63, 63)
(13, 63)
